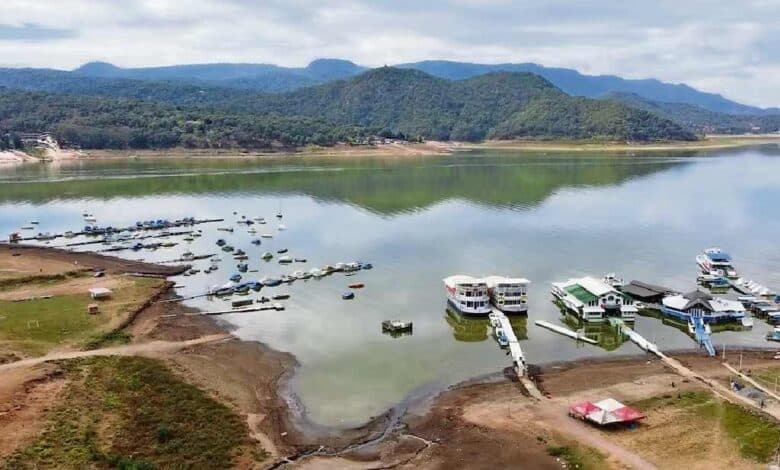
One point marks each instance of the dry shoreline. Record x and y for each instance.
(406, 150)
(439, 428)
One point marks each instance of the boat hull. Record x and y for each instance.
(470, 312)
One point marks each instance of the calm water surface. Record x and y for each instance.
(545, 217)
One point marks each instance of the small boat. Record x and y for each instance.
(281, 227)
(266, 235)
(300, 260)
(281, 297)
(348, 295)
(241, 257)
(277, 306)
(242, 289)
(187, 256)
(256, 242)
(301, 275)
(28, 227)
(34, 222)
(286, 278)
(263, 300)
(242, 267)
(240, 252)
(368, 266)
(90, 219)
(283, 250)
(317, 272)
(501, 337)
(271, 282)
(251, 231)
(241, 303)
(256, 286)
(260, 220)
(279, 215)
(227, 248)
(357, 285)
(774, 335)
(193, 271)
(225, 229)
(267, 255)
(285, 260)
(235, 277)
(69, 234)
(221, 242)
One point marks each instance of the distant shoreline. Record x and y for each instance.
(404, 150)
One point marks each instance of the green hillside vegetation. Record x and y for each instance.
(700, 119)
(391, 102)
(413, 103)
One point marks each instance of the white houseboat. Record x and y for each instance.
(468, 295)
(716, 262)
(593, 300)
(508, 294)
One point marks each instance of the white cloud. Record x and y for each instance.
(715, 47)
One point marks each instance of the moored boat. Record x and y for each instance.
(716, 262)
(468, 295)
(510, 295)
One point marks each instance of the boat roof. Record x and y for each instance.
(462, 279)
(495, 280)
(581, 293)
(719, 256)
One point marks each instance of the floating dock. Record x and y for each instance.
(565, 331)
(518, 357)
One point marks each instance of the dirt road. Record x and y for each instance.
(128, 350)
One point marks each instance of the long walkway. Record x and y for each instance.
(127, 350)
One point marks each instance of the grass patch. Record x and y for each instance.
(114, 338)
(578, 456)
(756, 436)
(133, 413)
(36, 326)
(38, 279)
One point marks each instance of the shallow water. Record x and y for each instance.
(544, 217)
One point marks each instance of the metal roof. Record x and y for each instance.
(582, 294)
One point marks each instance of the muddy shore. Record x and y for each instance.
(470, 424)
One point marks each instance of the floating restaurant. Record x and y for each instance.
(594, 300)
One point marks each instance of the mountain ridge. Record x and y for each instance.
(274, 78)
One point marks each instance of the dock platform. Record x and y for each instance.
(565, 331)
(518, 357)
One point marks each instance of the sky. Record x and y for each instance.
(724, 47)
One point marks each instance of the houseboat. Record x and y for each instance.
(468, 295)
(701, 304)
(593, 300)
(510, 295)
(716, 262)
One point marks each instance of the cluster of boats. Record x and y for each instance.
(478, 296)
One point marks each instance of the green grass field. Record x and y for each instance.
(133, 413)
(35, 326)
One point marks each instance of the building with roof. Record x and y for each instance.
(701, 304)
(645, 292)
(593, 300)
(606, 412)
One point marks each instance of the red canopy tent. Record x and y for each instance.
(607, 411)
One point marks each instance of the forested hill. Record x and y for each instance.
(386, 101)
(700, 119)
(497, 105)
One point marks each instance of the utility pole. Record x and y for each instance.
(724, 352)
(740, 362)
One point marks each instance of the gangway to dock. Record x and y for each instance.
(702, 335)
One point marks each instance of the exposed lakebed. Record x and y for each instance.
(417, 220)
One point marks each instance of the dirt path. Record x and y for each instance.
(129, 350)
(558, 419)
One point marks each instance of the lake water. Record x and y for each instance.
(418, 220)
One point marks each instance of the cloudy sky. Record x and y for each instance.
(725, 47)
